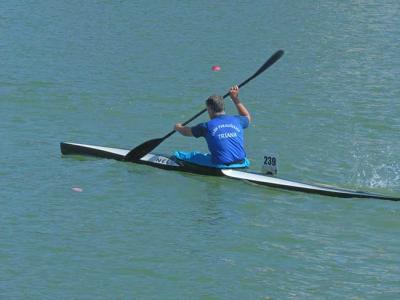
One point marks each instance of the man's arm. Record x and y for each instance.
(184, 130)
(242, 110)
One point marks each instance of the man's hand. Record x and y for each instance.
(242, 110)
(178, 127)
(186, 131)
(234, 92)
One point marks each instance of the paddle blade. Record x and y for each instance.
(141, 150)
(273, 59)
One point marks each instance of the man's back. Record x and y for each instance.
(224, 136)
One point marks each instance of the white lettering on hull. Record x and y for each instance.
(162, 160)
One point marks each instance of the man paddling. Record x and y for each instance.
(223, 133)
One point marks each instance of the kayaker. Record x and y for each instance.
(223, 133)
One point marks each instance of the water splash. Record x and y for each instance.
(369, 170)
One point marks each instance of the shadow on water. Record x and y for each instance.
(211, 197)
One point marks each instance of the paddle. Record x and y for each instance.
(141, 150)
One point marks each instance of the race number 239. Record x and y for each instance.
(270, 161)
(270, 165)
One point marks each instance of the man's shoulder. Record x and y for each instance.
(243, 120)
(227, 118)
(222, 118)
(199, 129)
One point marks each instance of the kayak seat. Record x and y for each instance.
(204, 159)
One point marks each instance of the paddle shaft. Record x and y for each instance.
(269, 63)
(199, 113)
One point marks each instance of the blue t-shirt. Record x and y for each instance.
(224, 136)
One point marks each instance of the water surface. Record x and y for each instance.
(116, 73)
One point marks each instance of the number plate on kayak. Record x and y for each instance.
(270, 165)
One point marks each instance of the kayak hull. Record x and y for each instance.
(155, 160)
(172, 163)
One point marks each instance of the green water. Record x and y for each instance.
(117, 73)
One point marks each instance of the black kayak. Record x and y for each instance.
(172, 163)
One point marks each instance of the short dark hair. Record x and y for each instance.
(215, 103)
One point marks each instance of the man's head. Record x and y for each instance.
(215, 105)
